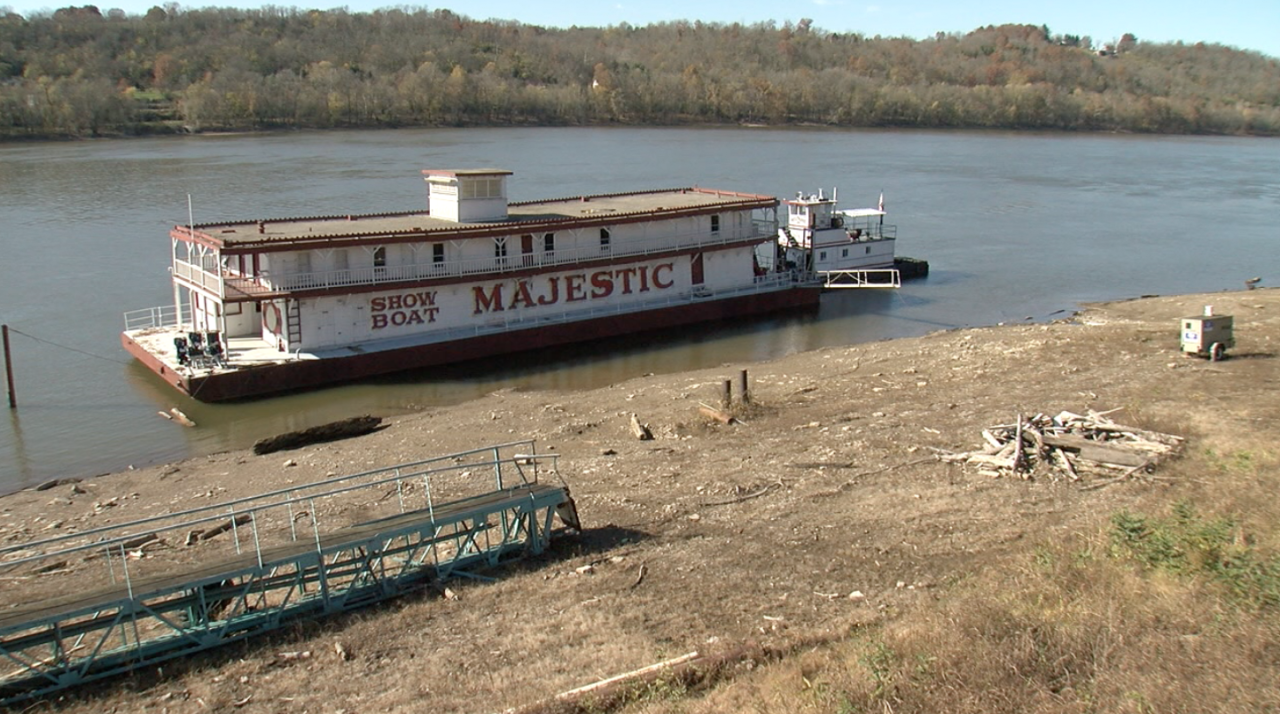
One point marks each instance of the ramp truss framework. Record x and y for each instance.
(188, 581)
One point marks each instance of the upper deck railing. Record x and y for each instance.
(269, 282)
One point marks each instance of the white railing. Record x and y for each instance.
(152, 317)
(198, 276)
(370, 275)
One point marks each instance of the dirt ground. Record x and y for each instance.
(710, 534)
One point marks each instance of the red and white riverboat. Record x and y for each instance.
(267, 306)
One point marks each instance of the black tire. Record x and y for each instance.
(1217, 352)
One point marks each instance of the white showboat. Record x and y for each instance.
(267, 306)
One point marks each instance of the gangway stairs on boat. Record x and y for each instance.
(185, 582)
(864, 278)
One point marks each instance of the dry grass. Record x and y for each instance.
(1082, 624)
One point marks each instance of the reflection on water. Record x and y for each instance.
(1015, 227)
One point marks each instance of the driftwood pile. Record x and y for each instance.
(1069, 445)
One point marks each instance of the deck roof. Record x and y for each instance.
(559, 213)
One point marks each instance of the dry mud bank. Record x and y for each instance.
(710, 535)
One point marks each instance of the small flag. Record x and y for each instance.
(880, 206)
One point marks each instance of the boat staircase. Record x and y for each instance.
(867, 278)
(185, 582)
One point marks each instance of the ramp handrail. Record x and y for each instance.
(288, 497)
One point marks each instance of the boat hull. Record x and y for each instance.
(257, 381)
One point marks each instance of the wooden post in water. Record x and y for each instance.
(8, 367)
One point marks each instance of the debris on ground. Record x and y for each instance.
(1070, 445)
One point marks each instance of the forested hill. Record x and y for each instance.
(77, 72)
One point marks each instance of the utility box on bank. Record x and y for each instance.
(1207, 335)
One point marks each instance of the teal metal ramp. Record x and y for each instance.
(189, 581)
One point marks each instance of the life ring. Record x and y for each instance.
(271, 319)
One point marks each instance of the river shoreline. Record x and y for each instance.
(839, 445)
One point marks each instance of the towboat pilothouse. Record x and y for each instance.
(273, 305)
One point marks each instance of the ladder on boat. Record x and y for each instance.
(189, 581)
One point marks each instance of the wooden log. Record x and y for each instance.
(224, 527)
(718, 414)
(640, 431)
(57, 482)
(1018, 460)
(743, 388)
(333, 431)
(1064, 462)
(140, 541)
(181, 418)
(605, 686)
(992, 440)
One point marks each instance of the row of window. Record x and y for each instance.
(526, 243)
(499, 248)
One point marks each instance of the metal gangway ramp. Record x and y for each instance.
(861, 278)
(105, 601)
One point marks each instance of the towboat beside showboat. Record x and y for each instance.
(269, 306)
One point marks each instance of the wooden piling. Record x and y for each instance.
(726, 395)
(742, 388)
(8, 367)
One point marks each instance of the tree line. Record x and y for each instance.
(77, 72)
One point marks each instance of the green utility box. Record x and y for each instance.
(1207, 335)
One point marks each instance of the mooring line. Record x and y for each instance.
(65, 347)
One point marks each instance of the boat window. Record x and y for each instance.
(715, 224)
(380, 257)
(500, 250)
(549, 243)
(844, 252)
(604, 239)
(437, 253)
(822, 255)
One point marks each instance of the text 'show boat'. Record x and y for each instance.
(269, 306)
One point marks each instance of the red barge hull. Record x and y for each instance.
(258, 381)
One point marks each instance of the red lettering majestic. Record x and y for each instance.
(522, 296)
(554, 296)
(601, 285)
(488, 302)
(657, 282)
(626, 274)
(574, 287)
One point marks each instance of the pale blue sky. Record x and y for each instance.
(1246, 24)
